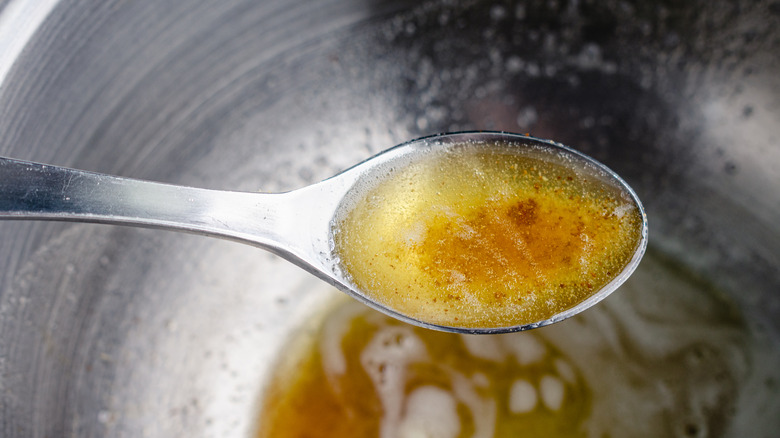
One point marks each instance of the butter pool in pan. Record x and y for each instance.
(664, 356)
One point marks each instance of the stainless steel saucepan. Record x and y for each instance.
(111, 331)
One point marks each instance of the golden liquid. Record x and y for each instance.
(664, 357)
(487, 238)
(521, 383)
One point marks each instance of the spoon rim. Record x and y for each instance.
(476, 137)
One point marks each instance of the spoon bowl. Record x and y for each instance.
(299, 225)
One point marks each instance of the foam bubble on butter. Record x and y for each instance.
(431, 412)
(552, 391)
(413, 235)
(522, 397)
(622, 209)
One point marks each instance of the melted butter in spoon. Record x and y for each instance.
(477, 236)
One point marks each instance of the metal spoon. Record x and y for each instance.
(296, 225)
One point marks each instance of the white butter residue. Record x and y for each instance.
(334, 331)
(385, 360)
(483, 408)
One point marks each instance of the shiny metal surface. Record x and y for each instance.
(294, 225)
(110, 331)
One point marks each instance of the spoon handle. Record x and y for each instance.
(37, 191)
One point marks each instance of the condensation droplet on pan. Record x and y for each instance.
(497, 12)
(527, 117)
(520, 12)
(514, 64)
(588, 122)
(589, 57)
(104, 416)
(533, 69)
